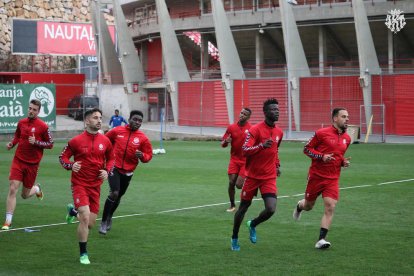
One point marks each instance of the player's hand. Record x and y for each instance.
(9, 145)
(328, 157)
(32, 139)
(76, 166)
(268, 143)
(347, 162)
(138, 154)
(228, 139)
(103, 174)
(278, 172)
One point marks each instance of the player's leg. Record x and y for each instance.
(123, 187)
(314, 188)
(270, 208)
(11, 202)
(83, 232)
(83, 227)
(238, 219)
(329, 208)
(114, 184)
(248, 191)
(330, 196)
(241, 176)
(232, 191)
(124, 184)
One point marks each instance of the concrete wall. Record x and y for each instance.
(113, 97)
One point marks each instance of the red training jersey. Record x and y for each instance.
(95, 152)
(325, 141)
(238, 135)
(126, 142)
(25, 151)
(261, 162)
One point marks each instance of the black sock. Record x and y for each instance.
(253, 223)
(232, 204)
(73, 212)
(82, 248)
(235, 236)
(298, 209)
(323, 232)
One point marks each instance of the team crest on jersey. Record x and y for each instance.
(101, 147)
(277, 139)
(135, 141)
(246, 130)
(344, 141)
(33, 130)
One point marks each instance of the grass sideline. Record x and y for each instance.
(371, 232)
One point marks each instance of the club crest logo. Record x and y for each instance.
(135, 141)
(395, 21)
(101, 147)
(46, 98)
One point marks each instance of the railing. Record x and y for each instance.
(148, 14)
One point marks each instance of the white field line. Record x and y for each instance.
(203, 206)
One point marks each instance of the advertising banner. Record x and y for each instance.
(54, 38)
(14, 104)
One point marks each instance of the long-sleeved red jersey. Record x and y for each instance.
(126, 142)
(95, 152)
(25, 151)
(261, 163)
(238, 135)
(325, 141)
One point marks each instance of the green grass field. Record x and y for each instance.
(172, 221)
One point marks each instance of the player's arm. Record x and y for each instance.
(47, 140)
(278, 171)
(125, 121)
(250, 146)
(310, 148)
(64, 158)
(146, 150)
(226, 139)
(111, 120)
(16, 138)
(110, 159)
(111, 135)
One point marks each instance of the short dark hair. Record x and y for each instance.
(91, 111)
(136, 112)
(268, 102)
(116, 110)
(248, 109)
(336, 110)
(36, 102)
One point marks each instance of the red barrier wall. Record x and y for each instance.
(67, 85)
(202, 104)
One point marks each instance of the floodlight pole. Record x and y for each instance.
(98, 38)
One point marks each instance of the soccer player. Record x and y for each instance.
(93, 161)
(32, 136)
(326, 148)
(130, 146)
(261, 149)
(117, 120)
(235, 135)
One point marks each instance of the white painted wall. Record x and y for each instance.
(113, 97)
